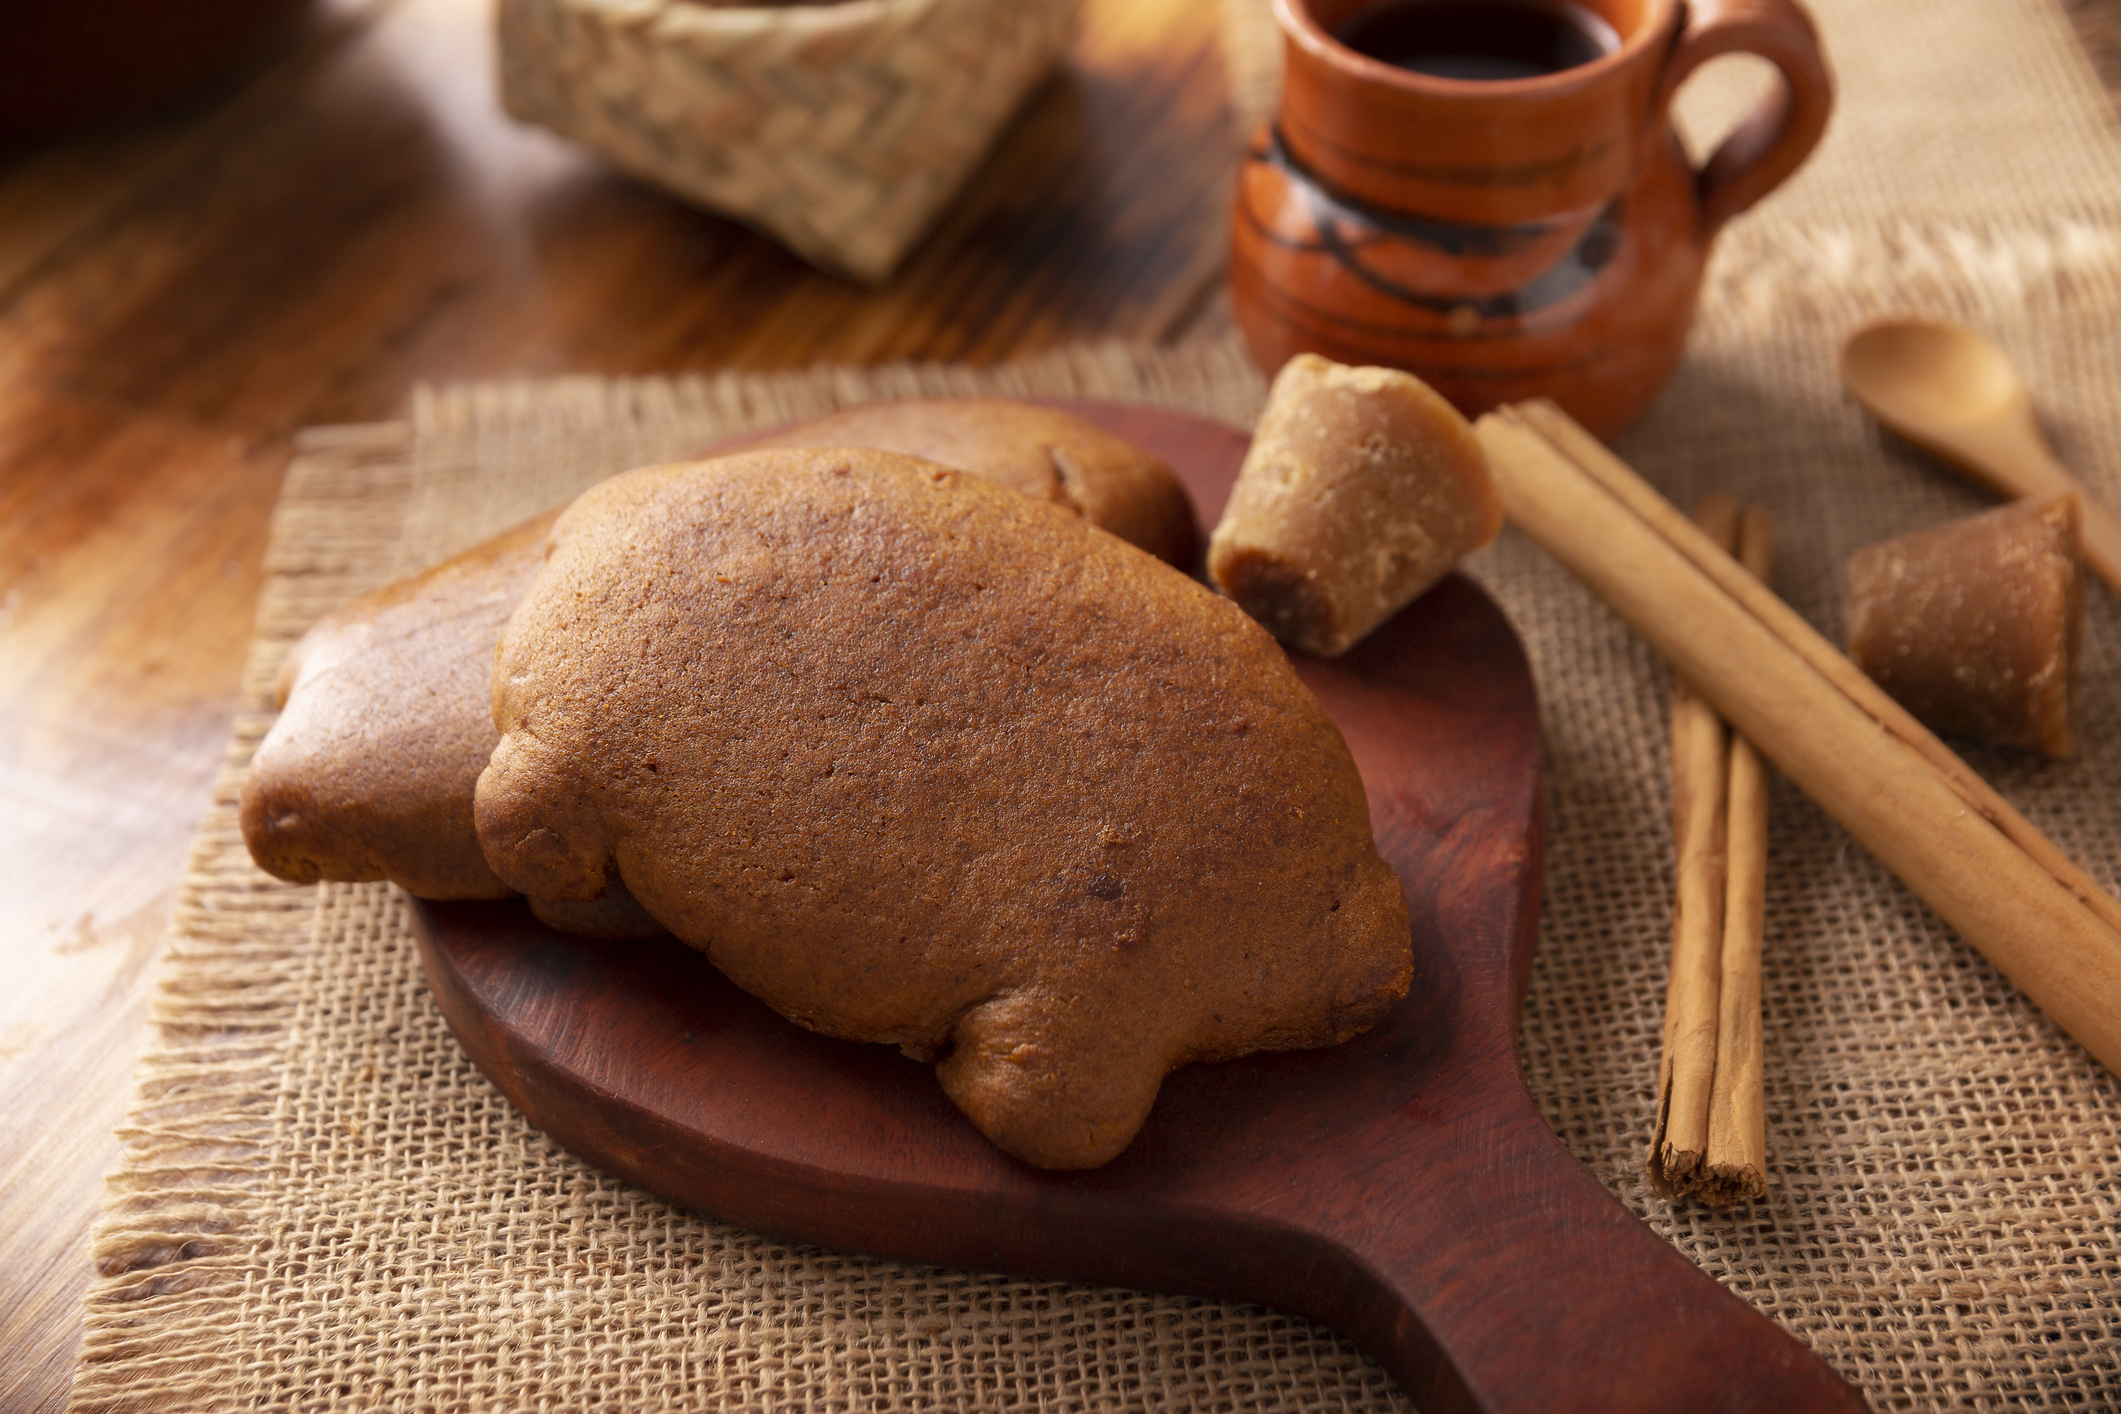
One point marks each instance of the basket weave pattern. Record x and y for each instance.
(840, 130)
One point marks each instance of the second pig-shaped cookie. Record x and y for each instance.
(922, 761)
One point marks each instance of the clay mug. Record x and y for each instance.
(1508, 238)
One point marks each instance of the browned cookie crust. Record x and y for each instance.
(1043, 452)
(615, 915)
(386, 721)
(388, 716)
(920, 761)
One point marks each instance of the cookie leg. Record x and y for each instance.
(537, 831)
(616, 917)
(1047, 1083)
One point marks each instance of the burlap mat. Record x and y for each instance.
(325, 1207)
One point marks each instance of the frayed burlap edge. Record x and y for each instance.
(1972, 270)
(175, 1239)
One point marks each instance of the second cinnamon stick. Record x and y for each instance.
(1734, 1169)
(1687, 1072)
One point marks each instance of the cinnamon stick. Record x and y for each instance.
(1735, 1167)
(1593, 459)
(2001, 884)
(1711, 1135)
(1686, 1073)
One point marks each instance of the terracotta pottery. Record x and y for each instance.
(1508, 238)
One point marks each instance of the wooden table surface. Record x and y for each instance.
(179, 297)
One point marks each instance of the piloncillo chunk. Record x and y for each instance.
(1974, 625)
(1362, 488)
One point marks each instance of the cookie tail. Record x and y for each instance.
(1047, 1082)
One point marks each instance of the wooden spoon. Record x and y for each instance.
(1954, 394)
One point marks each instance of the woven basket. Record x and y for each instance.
(839, 129)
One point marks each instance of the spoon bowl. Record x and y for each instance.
(1954, 394)
(1910, 373)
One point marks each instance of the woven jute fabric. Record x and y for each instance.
(840, 130)
(325, 1207)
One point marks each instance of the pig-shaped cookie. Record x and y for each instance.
(386, 702)
(1046, 453)
(922, 761)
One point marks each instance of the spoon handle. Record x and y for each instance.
(2102, 540)
(2099, 532)
(2016, 464)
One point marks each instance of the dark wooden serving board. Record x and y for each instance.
(1401, 1188)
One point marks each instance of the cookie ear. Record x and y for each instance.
(537, 825)
(1046, 1082)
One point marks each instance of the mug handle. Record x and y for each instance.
(1778, 135)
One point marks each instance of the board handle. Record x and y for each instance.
(1520, 1285)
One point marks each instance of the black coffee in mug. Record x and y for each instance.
(1480, 39)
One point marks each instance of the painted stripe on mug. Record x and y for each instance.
(1324, 324)
(1574, 271)
(1457, 238)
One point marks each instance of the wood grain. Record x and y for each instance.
(179, 297)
